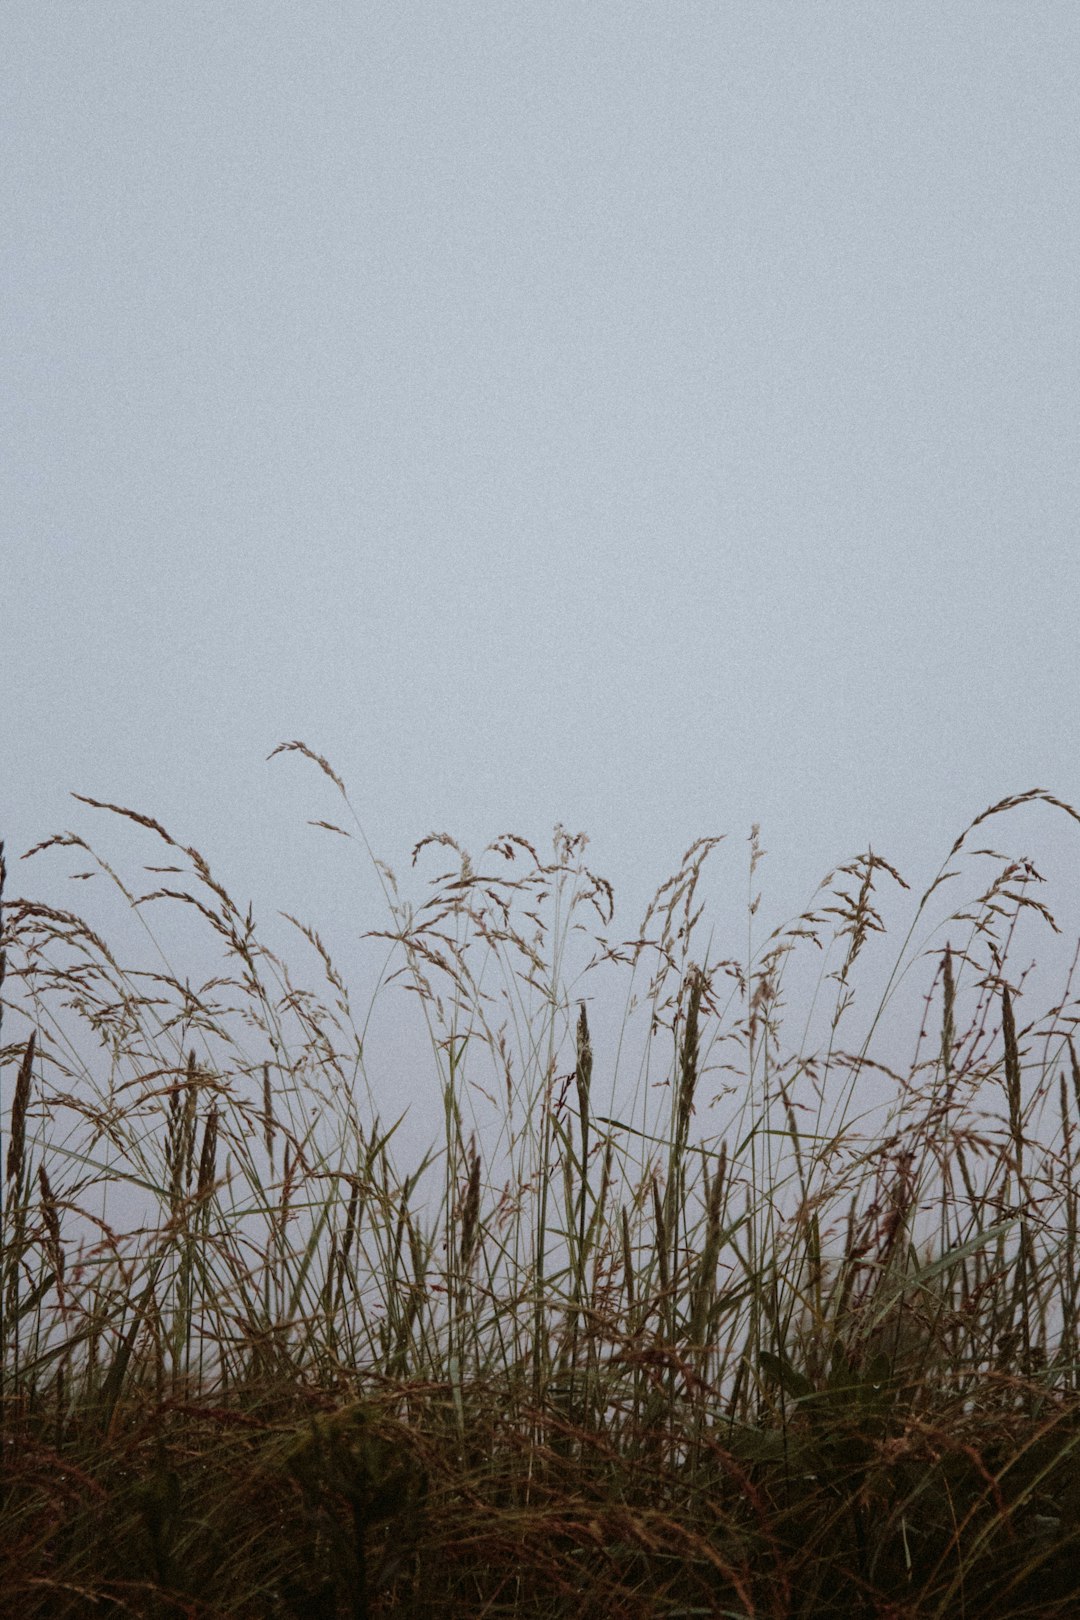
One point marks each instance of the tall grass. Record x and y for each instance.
(735, 1326)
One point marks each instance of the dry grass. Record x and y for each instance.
(699, 1340)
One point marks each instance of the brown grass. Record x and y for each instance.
(703, 1340)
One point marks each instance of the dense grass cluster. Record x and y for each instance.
(697, 1333)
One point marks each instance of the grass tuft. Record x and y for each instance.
(746, 1324)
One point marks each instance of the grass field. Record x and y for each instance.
(694, 1332)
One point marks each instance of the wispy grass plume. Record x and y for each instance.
(705, 1319)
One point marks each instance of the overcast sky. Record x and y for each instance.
(657, 418)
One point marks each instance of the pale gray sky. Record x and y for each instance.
(657, 418)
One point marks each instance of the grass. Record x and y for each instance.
(743, 1328)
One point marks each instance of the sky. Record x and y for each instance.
(656, 419)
